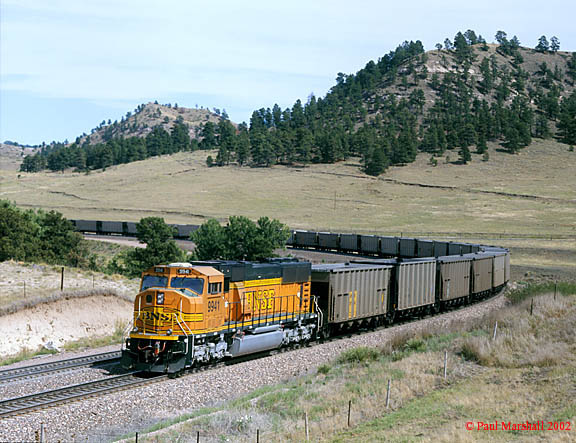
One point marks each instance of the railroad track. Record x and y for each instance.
(28, 403)
(60, 365)
(32, 402)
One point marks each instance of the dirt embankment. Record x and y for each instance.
(53, 324)
(34, 312)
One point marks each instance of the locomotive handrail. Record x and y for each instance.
(184, 331)
(319, 313)
(125, 333)
(183, 321)
(131, 325)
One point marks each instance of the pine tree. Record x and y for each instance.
(567, 120)
(541, 129)
(180, 137)
(512, 141)
(481, 146)
(377, 163)
(487, 81)
(464, 154)
(208, 136)
(542, 45)
(554, 44)
(242, 146)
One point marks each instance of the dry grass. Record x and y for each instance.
(55, 296)
(25, 285)
(542, 339)
(99, 341)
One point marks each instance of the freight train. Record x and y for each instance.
(124, 228)
(189, 314)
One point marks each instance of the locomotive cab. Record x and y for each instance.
(174, 302)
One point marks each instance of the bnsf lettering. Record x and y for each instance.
(261, 299)
(156, 316)
(213, 305)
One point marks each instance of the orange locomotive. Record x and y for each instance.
(193, 313)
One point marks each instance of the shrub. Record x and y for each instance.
(160, 249)
(358, 355)
(240, 239)
(40, 236)
(520, 294)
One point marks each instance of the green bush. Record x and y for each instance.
(415, 345)
(240, 239)
(160, 249)
(359, 355)
(35, 236)
(565, 288)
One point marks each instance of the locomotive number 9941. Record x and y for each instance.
(213, 305)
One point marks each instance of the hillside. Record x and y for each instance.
(11, 156)
(145, 118)
(455, 98)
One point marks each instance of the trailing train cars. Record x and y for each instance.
(193, 313)
(124, 228)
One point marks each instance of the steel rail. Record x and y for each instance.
(28, 403)
(59, 365)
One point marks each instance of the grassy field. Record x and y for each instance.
(525, 374)
(338, 197)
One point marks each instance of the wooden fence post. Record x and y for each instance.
(388, 394)
(349, 410)
(555, 289)
(62, 280)
(495, 330)
(445, 364)
(306, 426)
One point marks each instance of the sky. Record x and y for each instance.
(66, 65)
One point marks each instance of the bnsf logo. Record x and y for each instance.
(157, 316)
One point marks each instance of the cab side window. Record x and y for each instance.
(214, 288)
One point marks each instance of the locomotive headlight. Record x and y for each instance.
(169, 332)
(135, 329)
(160, 298)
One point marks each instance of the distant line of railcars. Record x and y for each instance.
(380, 245)
(124, 228)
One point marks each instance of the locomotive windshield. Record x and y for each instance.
(194, 284)
(154, 281)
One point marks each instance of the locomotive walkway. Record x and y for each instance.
(60, 365)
